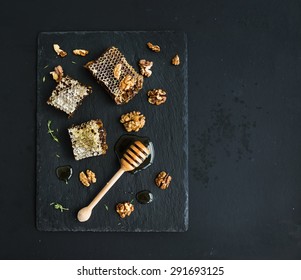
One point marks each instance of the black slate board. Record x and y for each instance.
(166, 125)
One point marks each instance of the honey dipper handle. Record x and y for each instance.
(106, 188)
(84, 214)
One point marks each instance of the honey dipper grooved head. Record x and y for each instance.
(134, 156)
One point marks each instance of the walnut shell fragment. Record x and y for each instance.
(124, 209)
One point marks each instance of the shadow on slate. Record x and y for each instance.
(166, 126)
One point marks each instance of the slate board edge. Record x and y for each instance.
(38, 125)
(186, 123)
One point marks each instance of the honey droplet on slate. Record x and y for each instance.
(64, 173)
(144, 197)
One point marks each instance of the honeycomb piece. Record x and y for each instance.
(68, 95)
(104, 71)
(88, 139)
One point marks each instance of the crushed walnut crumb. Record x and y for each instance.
(59, 51)
(175, 60)
(124, 209)
(80, 52)
(87, 178)
(117, 71)
(145, 67)
(156, 96)
(154, 48)
(58, 73)
(133, 121)
(163, 180)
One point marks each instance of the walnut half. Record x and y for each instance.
(127, 83)
(133, 121)
(88, 178)
(154, 48)
(145, 67)
(124, 209)
(175, 60)
(59, 51)
(58, 73)
(117, 71)
(80, 52)
(163, 180)
(156, 96)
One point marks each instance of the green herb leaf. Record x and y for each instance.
(106, 206)
(132, 201)
(73, 62)
(58, 206)
(50, 131)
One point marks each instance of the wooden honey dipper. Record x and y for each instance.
(132, 158)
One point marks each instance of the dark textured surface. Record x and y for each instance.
(166, 126)
(240, 208)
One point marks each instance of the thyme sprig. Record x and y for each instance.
(59, 206)
(51, 132)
